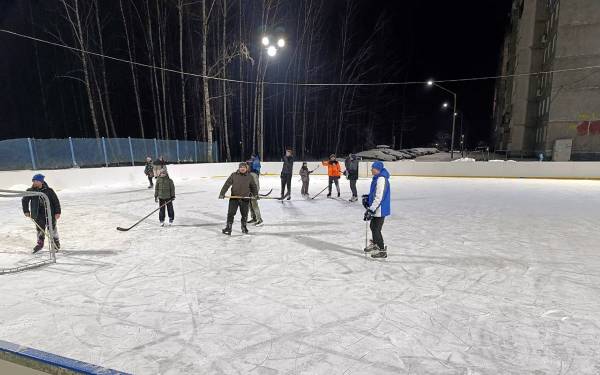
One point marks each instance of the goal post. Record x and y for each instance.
(36, 261)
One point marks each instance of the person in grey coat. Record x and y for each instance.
(305, 176)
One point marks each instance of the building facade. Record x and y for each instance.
(556, 114)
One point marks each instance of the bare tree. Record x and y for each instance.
(71, 8)
(132, 70)
(207, 113)
(182, 76)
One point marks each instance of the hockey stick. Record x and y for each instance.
(249, 198)
(366, 234)
(319, 193)
(266, 195)
(145, 217)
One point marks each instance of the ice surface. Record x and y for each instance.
(483, 277)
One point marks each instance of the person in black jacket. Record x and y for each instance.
(351, 174)
(35, 208)
(286, 174)
(243, 189)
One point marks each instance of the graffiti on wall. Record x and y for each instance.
(587, 124)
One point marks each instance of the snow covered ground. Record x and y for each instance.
(483, 277)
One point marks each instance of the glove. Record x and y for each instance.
(368, 215)
(221, 197)
(365, 201)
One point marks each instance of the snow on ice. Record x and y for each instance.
(484, 276)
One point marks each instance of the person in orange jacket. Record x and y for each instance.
(334, 171)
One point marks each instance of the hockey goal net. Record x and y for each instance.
(15, 256)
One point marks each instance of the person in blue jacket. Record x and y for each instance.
(254, 164)
(378, 206)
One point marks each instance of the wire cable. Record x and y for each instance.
(196, 75)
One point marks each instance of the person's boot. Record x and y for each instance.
(338, 193)
(258, 223)
(227, 229)
(370, 247)
(379, 253)
(39, 246)
(252, 221)
(56, 244)
(289, 196)
(244, 228)
(329, 195)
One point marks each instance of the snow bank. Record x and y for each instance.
(134, 176)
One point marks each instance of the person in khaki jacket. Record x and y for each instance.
(243, 189)
(164, 194)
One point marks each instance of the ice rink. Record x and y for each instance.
(484, 276)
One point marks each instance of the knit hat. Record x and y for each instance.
(378, 165)
(243, 164)
(38, 177)
(332, 156)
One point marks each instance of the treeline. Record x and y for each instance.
(71, 93)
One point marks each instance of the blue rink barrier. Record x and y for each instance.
(49, 363)
(31, 153)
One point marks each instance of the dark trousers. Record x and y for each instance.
(336, 181)
(41, 224)
(376, 225)
(150, 181)
(233, 207)
(304, 189)
(169, 207)
(353, 187)
(286, 180)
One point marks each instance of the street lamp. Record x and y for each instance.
(431, 83)
(271, 49)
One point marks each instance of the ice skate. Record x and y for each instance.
(372, 246)
(258, 223)
(252, 221)
(378, 253)
(244, 228)
(38, 247)
(227, 230)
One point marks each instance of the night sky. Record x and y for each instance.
(420, 40)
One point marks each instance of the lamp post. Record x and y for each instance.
(431, 83)
(271, 46)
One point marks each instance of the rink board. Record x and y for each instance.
(17, 359)
(128, 176)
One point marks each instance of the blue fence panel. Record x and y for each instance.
(88, 152)
(186, 151)
(14, 154)
(52, 153)
(168, 150)
(142, 148)
(117, 150)
(27, 153)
